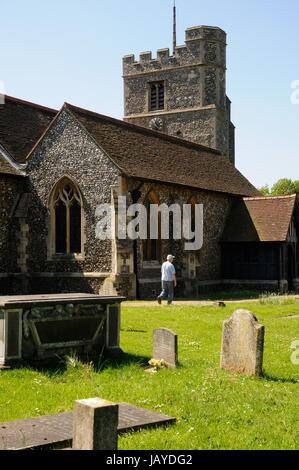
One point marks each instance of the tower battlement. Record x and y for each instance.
(212, 33)
(203, 45)
(183, 93)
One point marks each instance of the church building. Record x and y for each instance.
(176, 144)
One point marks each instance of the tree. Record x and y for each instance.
(282, 187)
(265, 190)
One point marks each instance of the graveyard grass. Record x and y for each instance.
(215, 409)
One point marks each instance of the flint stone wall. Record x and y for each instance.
(196, 107)
(67, 150)
(10, 189)
(207, 261)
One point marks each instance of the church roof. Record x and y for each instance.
(260, 219)
(149, 155)
(21, 125)
(7, 167)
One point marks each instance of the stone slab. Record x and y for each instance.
(20, 301)
(55, 431)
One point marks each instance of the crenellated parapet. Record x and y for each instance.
(183, 93)
(204, 45)
(210, 33)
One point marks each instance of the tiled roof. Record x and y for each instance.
(145, 154)
(265, 219)
(21, 125)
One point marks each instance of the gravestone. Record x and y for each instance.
(165, 346)
(95, 425)
(243, 344)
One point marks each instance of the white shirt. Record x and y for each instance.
(168, 271)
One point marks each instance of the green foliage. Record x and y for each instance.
(265, 190)
(282, 187)
(215, 409)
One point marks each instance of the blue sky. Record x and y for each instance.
(71, 50)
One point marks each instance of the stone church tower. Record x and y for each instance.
(184, 94)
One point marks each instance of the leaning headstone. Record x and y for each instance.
(165, 346)
(243, 344)
(95, 425)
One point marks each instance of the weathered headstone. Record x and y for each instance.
(95, 425)
(243, 344)
(165, 346)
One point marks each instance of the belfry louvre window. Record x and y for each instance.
(157, 96)
(67, 211)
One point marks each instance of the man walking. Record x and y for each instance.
(168, 280)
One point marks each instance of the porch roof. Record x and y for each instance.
(260, 219)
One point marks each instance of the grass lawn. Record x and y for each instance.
(215, 409)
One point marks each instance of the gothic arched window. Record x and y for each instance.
(66, 209)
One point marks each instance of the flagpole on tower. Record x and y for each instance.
(174, 26)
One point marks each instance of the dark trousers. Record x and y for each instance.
(167, 291)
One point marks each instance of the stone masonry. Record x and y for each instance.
(196, 105)
(78, 158)
(95, 425)
(108, 267)
(10, 189)
(197, 271)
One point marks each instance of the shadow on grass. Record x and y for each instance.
(61, 365)
(49, 368)
(121, 360)
(272, 378)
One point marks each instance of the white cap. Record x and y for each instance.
(170, 258)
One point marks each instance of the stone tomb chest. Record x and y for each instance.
(41, 327)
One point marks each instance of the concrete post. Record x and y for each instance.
(95, 425)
